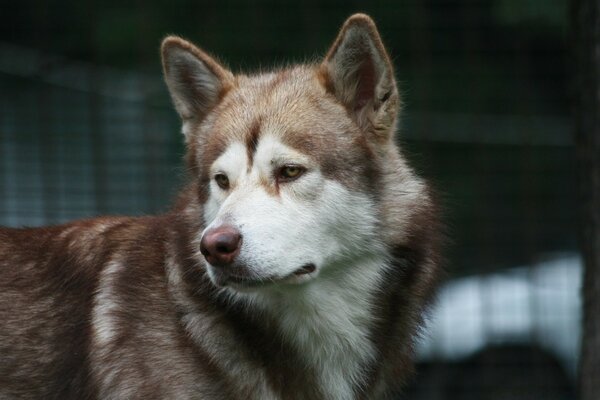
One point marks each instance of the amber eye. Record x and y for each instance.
(222, 180)
(290, 172)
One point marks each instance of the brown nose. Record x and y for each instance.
(221, 245)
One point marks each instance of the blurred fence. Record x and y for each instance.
(79, 140)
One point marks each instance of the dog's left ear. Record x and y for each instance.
(358, 71)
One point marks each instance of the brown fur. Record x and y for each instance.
(172, 333)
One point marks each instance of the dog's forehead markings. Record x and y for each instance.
(264, 104)
(252, 140)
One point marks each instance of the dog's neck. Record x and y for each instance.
(330, 322)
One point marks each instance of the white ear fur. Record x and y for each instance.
(195, 80)
(360, 74)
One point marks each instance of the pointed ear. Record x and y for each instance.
(195, 80)
(358, 71)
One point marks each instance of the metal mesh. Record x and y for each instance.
(485, 119)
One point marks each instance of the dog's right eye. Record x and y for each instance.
(222, 180)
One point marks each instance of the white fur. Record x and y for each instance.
(105, 305)
(329, 321)
(233, 162)
(312, 220)
(327, 315)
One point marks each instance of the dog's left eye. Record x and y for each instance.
(289, 173)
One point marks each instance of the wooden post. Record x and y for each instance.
(585, 20)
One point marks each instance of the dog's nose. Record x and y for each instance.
(221, 245)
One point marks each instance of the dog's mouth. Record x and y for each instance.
(249, 281)
(305, 269)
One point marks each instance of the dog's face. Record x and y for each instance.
(286, 180)
(287, 161)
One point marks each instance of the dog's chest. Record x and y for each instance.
(337, 347)
(331, 329)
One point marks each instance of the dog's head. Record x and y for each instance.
(290, 164)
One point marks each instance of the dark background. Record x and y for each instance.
(86, 128)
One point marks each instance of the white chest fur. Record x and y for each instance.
(329, 322)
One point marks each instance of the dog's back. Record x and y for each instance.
(46, 296)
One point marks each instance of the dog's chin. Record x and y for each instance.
(241, 280)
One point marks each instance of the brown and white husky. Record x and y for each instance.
(296, 263)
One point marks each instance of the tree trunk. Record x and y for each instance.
(585, 19)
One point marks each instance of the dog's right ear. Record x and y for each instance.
(195, 80)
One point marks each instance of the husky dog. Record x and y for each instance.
(296, 263)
